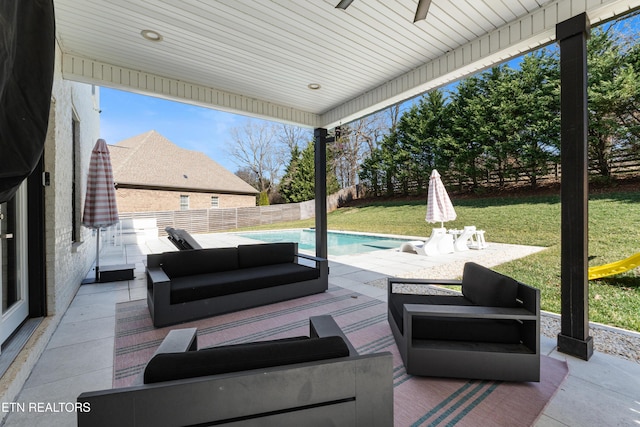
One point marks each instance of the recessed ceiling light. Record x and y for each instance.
(151, 35)
(314, 86)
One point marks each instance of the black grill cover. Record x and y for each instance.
(27, 55)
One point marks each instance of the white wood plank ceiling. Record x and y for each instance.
(257, 57)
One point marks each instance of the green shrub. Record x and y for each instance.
(263, 199)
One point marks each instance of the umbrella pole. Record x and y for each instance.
(98, 257)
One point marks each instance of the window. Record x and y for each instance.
(184, 202)
(215, 202)
(75, 183)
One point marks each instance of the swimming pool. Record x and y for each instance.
(338, 243)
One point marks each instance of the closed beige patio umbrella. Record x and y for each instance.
(439, 206)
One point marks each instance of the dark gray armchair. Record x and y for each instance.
(490, 331)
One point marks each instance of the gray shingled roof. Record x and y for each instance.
(151, 160)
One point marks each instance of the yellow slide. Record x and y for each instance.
(615, 267)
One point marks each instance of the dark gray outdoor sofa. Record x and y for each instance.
(192, 284)
(314, 381)
(491, 331)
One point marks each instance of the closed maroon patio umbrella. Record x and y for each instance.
(100, 209)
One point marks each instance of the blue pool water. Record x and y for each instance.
(337, 243)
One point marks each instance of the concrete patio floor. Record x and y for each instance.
(605, 391)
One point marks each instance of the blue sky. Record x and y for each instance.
(126, 114)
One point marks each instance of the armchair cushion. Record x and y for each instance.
(397, 301)
(260, 254)
(242, 357)
(468, 330)
(451, 328)
(199, 261)
(486, 287)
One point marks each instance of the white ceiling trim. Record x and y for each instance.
(90, 71)
(528, 33)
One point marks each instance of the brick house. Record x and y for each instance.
(154, 174)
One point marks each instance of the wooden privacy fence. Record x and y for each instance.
(221, 219)
(212, 220)
(621, 166)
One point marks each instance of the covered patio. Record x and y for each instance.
(309, 64)
(323, 64)
(79, 356)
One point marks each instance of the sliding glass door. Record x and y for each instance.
(13, 263)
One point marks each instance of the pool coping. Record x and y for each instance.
(399, 238)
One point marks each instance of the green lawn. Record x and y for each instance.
(531, 220)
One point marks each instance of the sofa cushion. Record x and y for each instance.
(486, 287)
(265, 254)
(199, 261)
(192, 288)
(242, 357)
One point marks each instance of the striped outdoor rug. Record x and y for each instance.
(417, 401)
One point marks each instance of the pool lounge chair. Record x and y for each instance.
(439, 243)
(181, 239)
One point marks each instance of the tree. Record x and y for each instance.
(263, 199)
(377, 166)
(257, 148)
(612, 90)
(539, 109)
(424, 134)
(466, 105)
(371, 172)
(298, 184)
(293, 136)
(630, 113)
(248, 176)
(286, 187)
(416, 152)
(506, 121)
(357, 141)
(500, 121)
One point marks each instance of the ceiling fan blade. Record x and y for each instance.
(422, 10)
(344, 4)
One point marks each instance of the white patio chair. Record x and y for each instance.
(477, 240)
(462, 241)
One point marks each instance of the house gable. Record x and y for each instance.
(151, 161)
